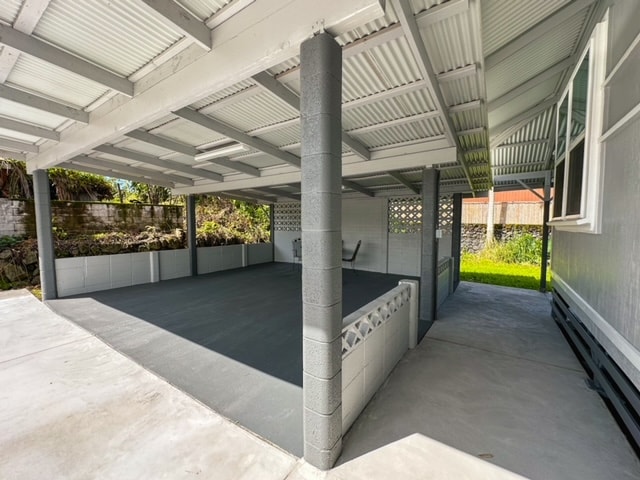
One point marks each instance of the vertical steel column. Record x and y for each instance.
(272, 230)
(456, 238)
(191, 234)
(46, 252)
(320, 112)
(545, 232)
(429, 264)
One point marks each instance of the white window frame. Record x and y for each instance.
(590, 216)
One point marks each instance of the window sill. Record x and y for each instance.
(580, 225)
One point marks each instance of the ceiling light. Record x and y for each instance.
(220, 152)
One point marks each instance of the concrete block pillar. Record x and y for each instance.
(320, 111)
(429, 264)
(191, 234)
(44, 232)
(456, 238)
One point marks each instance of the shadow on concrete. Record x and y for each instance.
(232, 339)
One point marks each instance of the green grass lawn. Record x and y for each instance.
(474, 268)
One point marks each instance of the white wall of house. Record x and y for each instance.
(599, 274)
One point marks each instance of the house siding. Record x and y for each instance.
(599, 275)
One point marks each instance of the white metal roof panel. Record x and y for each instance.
(222, 94)
(536, 129)
(121, 36)
(402, 133)
(469, 119)
(21, 137)
(503, 21)
(520, 155)
(450, 43)
(258, 111)
(535, 58)
(286, 136)
(203, 9)
(41, 77)
(462, 90)
(9, 10)
(187, 132)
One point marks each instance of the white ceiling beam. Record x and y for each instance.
(373, 40)
(103, 163)
(545, 26)
(279, 192)
(236, 56)
(501, 132)
(256, 196)
(521, 144)
(226, 12)
(111, 173)
(404, 181)
(472, 131)
(232, 164)
(520, 176)
(292, 99)
(28, 129)
(19, 146)
(465, 107)
(13, 155)
(55, 56)
(179, 18)
(44, 104)
(239, 96)
(162, 142)
(517, 165)
(274, 127)
(414, 38)
(532, 82)
(385, 95)
(158, 162)
(441, 12)
(358, 188)
(25, 22)
(237, 135)
(395, 122)
(458, 73)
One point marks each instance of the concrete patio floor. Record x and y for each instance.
(232, 339)
(495, 378)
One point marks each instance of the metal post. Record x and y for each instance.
(429, 264)
(320, 112)
(545, 233)
(490, 219)
(191, 234)
(44, 232)
(272, 230)
(456, 238)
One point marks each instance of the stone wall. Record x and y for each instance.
(17, 217)
(474, 234)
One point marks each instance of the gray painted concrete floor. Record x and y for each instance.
(495, 378)
(74, 408)
(232, 340)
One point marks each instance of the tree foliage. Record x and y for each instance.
(223, 222)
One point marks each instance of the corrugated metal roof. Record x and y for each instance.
(281, 138)
(118, 35)
(9, 10)
(525, 101)
(403, 133)
(503, 21)
(536, 129)
(469, 119)
(257, 111)
(450, 43)
(18, 136)
(41, 77)
(535, 58)
(187, 132)
(203, 9)
(222, 94)
(518, 156)
(461, 90)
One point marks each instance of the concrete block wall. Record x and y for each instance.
(259, 253)
(365, 219)
(13, 216)
(174, 264)
(216, 259)
(370, 360)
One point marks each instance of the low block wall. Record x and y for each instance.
(374, 339)
(445, 279)
(79, 275)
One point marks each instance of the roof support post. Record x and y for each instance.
(456, 238)
(44, 232)
(191, 234)
(321, 171)
(545, 232)
(429, 264)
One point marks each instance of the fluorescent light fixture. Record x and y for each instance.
(220, 152)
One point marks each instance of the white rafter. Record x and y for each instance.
(501, 132)
(55, 56)
(25, 22)
(19, 146)
(358, 188)
(12, 155)
(103, 163)
(236, 56)
(28, 129)
(162, 142)
(158, 162)
(177, 17)
(404, 181)
(44, 104)
(412, 33)
(232, 164)
(532, 82)
(237, 135)
(69, 165)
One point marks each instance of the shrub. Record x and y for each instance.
(523, 249)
